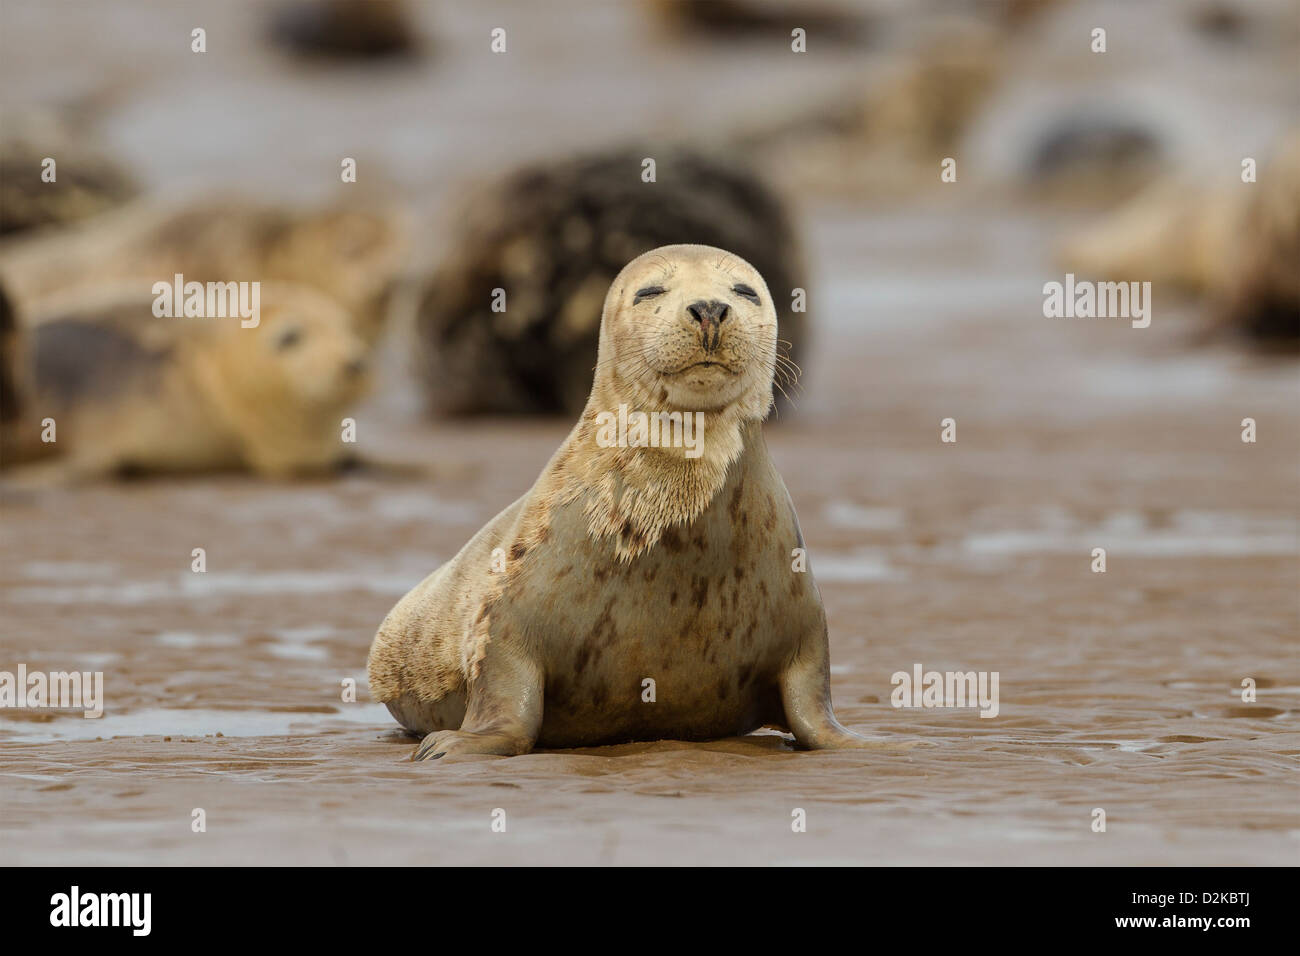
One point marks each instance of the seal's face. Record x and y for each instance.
(691, 328)
(304, 352)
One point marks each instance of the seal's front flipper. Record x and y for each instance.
(503, 714)
(806, 695)
(442, 743)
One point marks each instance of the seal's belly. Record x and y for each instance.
(668, 647)
(689, 685)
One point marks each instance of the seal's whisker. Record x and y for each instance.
(790, 399)
(785, 362)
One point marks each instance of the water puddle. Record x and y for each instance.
(860, 565)
(845, 514)
(173, 722)
(1184, 534)
(186, 585)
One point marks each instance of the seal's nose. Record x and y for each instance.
(709, 316)
(706, 312)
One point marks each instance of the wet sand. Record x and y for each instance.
(1118, 690)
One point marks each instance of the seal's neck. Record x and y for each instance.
(635, 492)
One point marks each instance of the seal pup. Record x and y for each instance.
(352, 252)
(626, 565)
(131, 393)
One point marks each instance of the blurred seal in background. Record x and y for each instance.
(884, 135)
(10, 364)
(1235, 246)
(1261, 298)
(552, 236)
(834, 21)
(81, 182)
(129, 392)
(344, 29)
(353, 253)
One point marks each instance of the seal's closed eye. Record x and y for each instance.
(649, 292)
(741, 289)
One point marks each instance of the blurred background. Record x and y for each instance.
(514, 160)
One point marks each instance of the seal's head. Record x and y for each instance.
(302, 354)
(353, 254)
(689, 328)
(282, 386)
